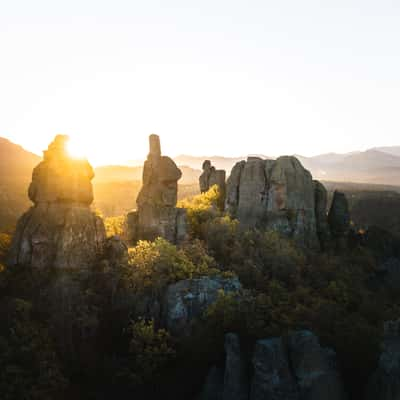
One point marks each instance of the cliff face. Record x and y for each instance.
(281, 195)
(274, 194)
(60, 230)
(157, 214)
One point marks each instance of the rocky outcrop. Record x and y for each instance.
(156, 213)
(321, 206)
(236, 385)
(230, 382)
(187, 300)
(339, 220)
(298, 369)
(210, 177)
(385, 382)
(314, 368)
(275, 194)
(60, 230)
(272, 376)
(291, 368)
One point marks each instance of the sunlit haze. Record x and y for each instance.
(209, 77)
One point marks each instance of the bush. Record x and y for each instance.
(157, 264)
(114, 225)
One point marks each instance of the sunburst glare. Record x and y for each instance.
(76, 148)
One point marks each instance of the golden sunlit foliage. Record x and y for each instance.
(115, 225)
(156, 264)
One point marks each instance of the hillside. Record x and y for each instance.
(16, 166)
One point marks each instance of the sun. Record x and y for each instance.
(76, 148)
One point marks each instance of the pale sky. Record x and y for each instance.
(210, 77)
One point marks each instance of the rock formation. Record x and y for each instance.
(300, 369)
(186, 300)
(60, 230)
(339, 220)
(272, 376)
(385, 382)
(279, 195)
(210, 177)
(236, 384)
(314, 368)
(321, 205)
(230, 382)
(156, 213)
(291, 368)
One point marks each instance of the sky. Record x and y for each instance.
(211, 77)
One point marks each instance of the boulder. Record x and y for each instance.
(156, 213)
(188, 299)
(60, 230)
(210, 177)
(385, 382)
(274, 194)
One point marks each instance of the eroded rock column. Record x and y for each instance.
(157, 214)
(60, 230)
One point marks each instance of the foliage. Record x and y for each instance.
(200, 209)
(29, 368)
(114, 225)
(5, 242)
(159, 263)
(150, 350)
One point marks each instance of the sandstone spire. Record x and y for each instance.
(60, 230)
(157, 214)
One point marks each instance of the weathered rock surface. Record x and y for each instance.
(60, 230)
(292, 368)
(300, 369)
(187, 300)
(210, 177)
(275, 194)
(157, 214)
(385, 382)
(321, 205)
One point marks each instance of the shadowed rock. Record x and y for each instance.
(157, 214)
(321, 204)
(272, 377)
(236, 386)
(60, 230)
(188, 299)
(314, 368)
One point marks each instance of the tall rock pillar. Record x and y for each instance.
(60, 230)
(157, 214)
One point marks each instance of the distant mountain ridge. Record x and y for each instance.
(380, 165)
